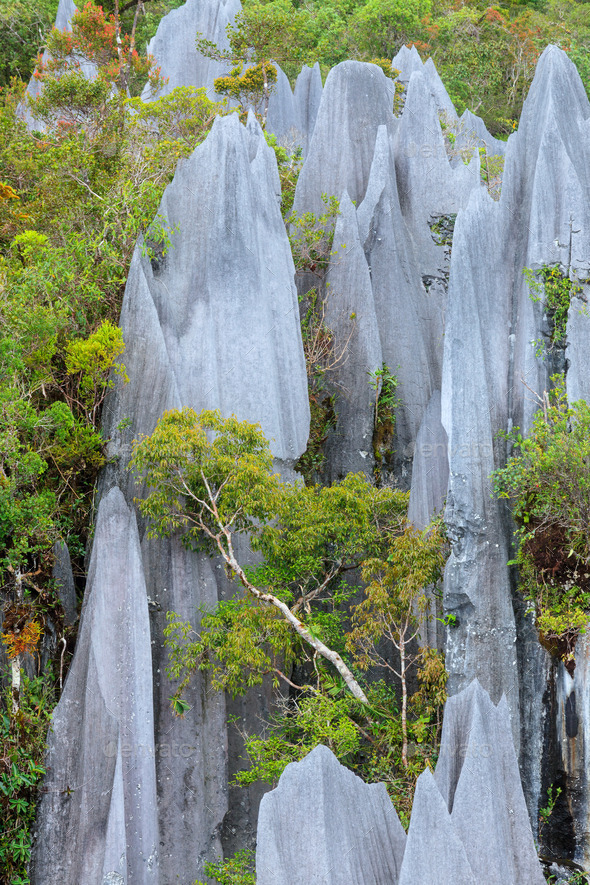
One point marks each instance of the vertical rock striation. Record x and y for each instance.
(324, 824)
(98, 811)
(173, 45)
(469, 821)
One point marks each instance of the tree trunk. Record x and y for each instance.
(332, 656)
(402, 655)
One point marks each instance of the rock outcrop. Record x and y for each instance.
(469, 821)
(324, 824)
(98, 811)
(173, 45)
(292, 113)
(211, 321)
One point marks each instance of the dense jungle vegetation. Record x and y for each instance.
(73, 200)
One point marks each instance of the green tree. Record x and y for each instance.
(215, 490)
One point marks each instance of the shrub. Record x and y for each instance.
(548, 484)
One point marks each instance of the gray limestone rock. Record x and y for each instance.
(572, 728)
(410, 322)
(430, 478)
(283, 119)
(357, 99)
(429, 185)
(292, 114)
(434, 853)
(173, 45)
(474, 399)
(578, 347)
(471, 127)
(98, 810)
(477, 774)
(322, 824)
(407, 61)
(64, 581)
(350, 315)
(430, 470)
(214, 323)
(308, 96)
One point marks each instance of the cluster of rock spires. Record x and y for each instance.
(469, 819)
(134, 794)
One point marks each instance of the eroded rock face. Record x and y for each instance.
(98, 811)
(214, 322)
(478, 777)
(173, 45)
(356, 100)
(495, 328)
(469, 821)
(324, 824)
(292, 113)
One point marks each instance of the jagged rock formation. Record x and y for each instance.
(292, 114)
(357, 99)
(493, 327)
(324, 824)
(212, 321)
(350, 315)
(98, 812)
(173, 45)
(469, 821)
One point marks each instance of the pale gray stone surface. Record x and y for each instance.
(407, 61)
(214, 323)
(472, 127)
(430, 470)
(434, 853)
(292, 113)
(64, 581)
(323, 825)
(409, 321)
(478, 777)
(469, 821)
(350, 315)
(429, 185)
(308, 96)
(356, 100)
(173, 45)
(98, 806)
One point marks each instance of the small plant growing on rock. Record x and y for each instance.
(547, 482)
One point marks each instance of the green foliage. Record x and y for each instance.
(545, 813)
(23, 26)
(492, 170)
(182, 468)
(312, 236)
(92, 359)
(237, 870)
(22, 747)
(548, 484)
(381, 27)
(384, 383)
(289, 165)
(555, 291)
(368, 739)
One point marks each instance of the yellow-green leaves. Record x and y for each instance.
(92, 359)
(190, 459)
